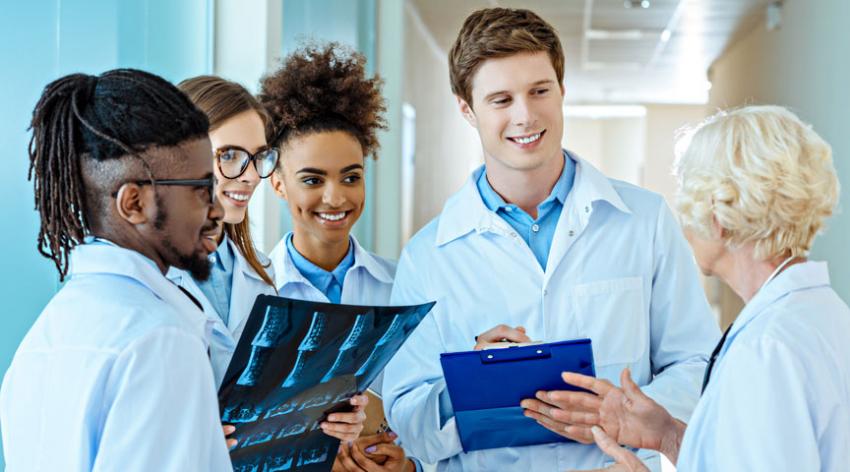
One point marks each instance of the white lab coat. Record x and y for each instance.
(113, 375)
(247, 286)
(368, 282)
(779, 395)
(619, 272)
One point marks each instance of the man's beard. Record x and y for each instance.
(198, 266)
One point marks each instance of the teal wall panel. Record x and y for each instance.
(40, 41)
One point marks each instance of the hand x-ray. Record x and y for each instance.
(296, 362)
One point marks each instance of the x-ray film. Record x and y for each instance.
(296, 362)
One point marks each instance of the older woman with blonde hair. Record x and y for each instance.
(755, 187)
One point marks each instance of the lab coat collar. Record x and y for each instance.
(243, 265)
(105, 257)
(802, 276)
(466, 212)
(365, 260)
(291, 275)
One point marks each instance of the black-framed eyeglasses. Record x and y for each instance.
(209, 183)
(232, 161)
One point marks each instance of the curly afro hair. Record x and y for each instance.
(320, 88)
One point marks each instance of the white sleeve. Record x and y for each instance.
(766, 420)
(683, 331)
(162, 409)
(416, 400)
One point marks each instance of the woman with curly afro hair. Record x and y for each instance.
(326, 115)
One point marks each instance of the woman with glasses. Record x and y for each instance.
(756, 185)
(327, 114)
(239, 272)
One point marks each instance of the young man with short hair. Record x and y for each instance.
(543, 246)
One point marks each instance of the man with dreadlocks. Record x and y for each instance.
(114, 374)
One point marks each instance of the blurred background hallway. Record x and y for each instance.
(636, 72)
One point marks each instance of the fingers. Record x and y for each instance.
(342, 431)
(229, 429)
(354, 417)
(581, 434)
(629, 386)
(359, 401)
(390, 450)
(561, 415)
(363, 461)
(567, 400)
(620, 454)
(503, 333)
(597, 386)
(345, 460)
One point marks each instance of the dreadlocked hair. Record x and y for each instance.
(119, 113)
(320, 88)
(221, 100)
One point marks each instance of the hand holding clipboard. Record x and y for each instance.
(487, 386)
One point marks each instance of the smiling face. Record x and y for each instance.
(517, 109)
(321, 178)
(185, 214)
(245, 131)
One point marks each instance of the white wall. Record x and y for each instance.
(447, 147)
(803, 65)
(662, 124)
(613, 145)
(246, 44)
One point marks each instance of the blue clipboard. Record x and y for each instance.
(487, 386)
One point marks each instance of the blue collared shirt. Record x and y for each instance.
(329, 283)
(619, 272)
(117, 343)
(779, 395)
(217, 288)
(537, 233)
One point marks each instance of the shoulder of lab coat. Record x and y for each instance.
(114, 342)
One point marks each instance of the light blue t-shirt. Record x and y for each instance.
(329, 283)
(538, 234)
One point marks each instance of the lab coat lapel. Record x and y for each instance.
(213, 320)
(107, 258)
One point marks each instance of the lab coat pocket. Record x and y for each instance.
(611, 313)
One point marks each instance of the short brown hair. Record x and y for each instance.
(499, 32)
(221, 100)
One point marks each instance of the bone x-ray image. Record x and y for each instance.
(295, 363)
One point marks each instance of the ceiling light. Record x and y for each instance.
(636, 3)
(665, 35)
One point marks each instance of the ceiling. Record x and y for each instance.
(616, 54)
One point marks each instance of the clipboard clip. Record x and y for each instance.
(492, 356)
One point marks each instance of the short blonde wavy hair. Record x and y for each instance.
(766, 177)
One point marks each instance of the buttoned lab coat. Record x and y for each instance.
(779, 395)
(247, 286)
(619, 272)
(113, 375)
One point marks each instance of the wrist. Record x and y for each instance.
(672, 440)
